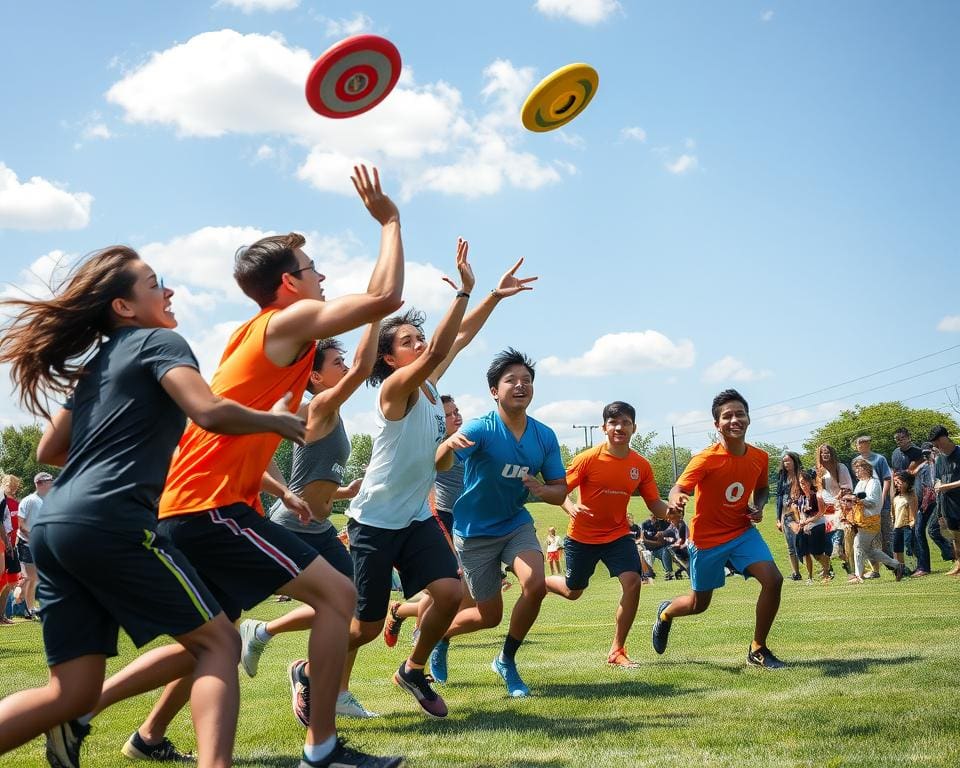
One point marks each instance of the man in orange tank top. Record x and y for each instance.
(725, 476)
(210, 504)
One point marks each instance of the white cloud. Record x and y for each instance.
(626, 352)
(634, 133)
(208, 344)
(471, 406)
(251, 6)
(729, 368)
(224, 82)
(347, 27)
(683, 164)
(561, 415)
(782, 416)
(97, 131)
(690, 418)
(581, 11)
(39, 204)
(950, 324)
(41, 278)
(574, 140)
(767, 15)
(265, 152)
(362, 422)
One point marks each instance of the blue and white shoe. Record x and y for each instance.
(438, 661)
(508, 671)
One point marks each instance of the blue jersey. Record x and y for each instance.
(494, 494)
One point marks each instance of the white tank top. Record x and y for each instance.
(402, 466)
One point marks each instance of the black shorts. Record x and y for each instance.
(813, 542)
(898, 538)
(446, 518)
(619, 555)
(241, 556)
(11, 564)
(330, 548)
(420, 552)
(92, 581)
(23, 550)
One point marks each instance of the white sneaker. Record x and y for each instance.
(809, 582)
(250, 646)
(348, 706)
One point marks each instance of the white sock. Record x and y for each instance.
(261, 633)
(316, 752)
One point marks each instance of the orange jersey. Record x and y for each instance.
(210, 470)
(723, 485)
(606, 484)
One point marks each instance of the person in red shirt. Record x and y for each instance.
(724, 477)
(607, 476)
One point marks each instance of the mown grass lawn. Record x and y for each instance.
(872, 682)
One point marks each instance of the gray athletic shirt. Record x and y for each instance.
(449, 486)
(124, 431)
(323, 459)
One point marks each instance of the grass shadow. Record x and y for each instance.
(846, 667)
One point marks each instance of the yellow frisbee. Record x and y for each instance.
(559, 97)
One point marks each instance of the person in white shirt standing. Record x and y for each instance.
(43, 482)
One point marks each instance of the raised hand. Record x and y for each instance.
(510, 284)
(381, 207)
(467, 280)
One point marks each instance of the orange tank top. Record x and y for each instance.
(210, 470)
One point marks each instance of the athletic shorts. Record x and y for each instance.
(446, 518)
(92, 581)
(553, 557)
(619, 556)
(23, 549)
(241, 556)
(706, 565)
(328, 545)
(481, 557)
(813, 542)
(420, 553)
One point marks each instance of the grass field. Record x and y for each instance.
(872, 682)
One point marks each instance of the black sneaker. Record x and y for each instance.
(899, 571)
(796, 577)
(763, 657)
(661, 628)
(63, 744)
(846, 566)
(162, 752)
(345, 757)
(417, 684)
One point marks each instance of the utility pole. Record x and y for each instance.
(673, 442)
(587, 441)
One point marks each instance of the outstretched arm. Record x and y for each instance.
(396, 390)
(330, 399)
(509, 285)
(308, 320)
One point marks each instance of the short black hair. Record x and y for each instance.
(388, 332)
(619, 408)
(937, 432)
(504, 360)
(446, 399)
(906, 478)
(901, 431)
(322, 346)
(727, 396)
(259, 268)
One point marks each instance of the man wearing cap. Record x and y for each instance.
(881, 470)
(42, 482)
(947, 487)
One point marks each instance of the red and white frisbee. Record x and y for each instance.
(353, 76)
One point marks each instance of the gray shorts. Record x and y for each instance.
(480, 557)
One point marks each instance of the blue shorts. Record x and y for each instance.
(706, 565)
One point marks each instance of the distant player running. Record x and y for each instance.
(607, 476)
(723, 477)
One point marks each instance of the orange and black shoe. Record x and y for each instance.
(391, 629)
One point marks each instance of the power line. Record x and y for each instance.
(836, 386)
(851, 394)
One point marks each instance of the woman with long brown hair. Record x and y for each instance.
(788, 490)
(104, 343)
(832, 477)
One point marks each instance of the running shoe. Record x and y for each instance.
(299, 691)
(846, 565)
(349, 706)
(251, 646)
(795, 577)
(872, 575)
(661, 628)
(438, 661)
(620, 659)
(417, 684)
(344, 756)
(508, 671)
(809, 582)
(63, 744)
(391, 630)
(163, 752)
(763, 657)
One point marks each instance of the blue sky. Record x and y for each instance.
(762, 194)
